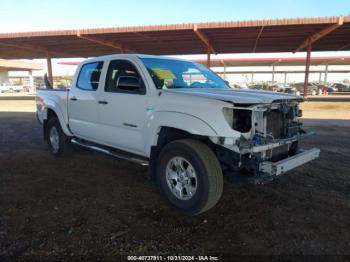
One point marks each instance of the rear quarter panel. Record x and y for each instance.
(55, 100)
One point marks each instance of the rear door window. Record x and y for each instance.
(89, 76)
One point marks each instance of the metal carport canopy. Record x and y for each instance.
(280, 35)
(12, 65)
(274, 61)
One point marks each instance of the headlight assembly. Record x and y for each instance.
(238, 119)
(228, 114)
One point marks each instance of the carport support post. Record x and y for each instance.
(208, 58)
(285, 79)
(325, 75)
(49, 68)
(307, 68)
(320, 77)
(273, 74)
(31, 81)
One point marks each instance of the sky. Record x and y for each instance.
(36, 15)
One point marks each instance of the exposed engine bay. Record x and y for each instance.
(269, 132)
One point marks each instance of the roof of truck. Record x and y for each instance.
(116, 56)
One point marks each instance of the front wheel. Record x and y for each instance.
(57, 140)
(189, 176)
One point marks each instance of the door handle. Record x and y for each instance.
(73, 98)
(103, 102)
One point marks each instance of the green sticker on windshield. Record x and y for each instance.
(163, 73)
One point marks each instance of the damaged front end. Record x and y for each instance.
(268, 145)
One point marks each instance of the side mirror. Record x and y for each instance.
(129, 84)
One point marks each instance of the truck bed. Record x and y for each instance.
(54, 99)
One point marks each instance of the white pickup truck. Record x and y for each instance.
(179, 118)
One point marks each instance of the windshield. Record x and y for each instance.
(168, 73)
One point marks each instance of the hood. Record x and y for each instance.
(237, 96)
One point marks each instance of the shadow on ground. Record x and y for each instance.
(92, 204)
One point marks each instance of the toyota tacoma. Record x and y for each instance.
(180, 119)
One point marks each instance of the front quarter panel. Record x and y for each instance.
(178, 120)
(195, 115)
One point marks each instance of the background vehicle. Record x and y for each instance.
(179, 118)
(8, 87)
(257, 86)
(331, 89)
(341, 87)
(268, 86)
(276, 87)
(290, 90)
(4, 88)
(312, 88)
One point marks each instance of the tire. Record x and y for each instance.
(57, 140)
(201, 189)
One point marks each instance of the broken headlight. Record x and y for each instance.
(228, 114)
(238, 119)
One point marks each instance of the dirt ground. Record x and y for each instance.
(90, 204)
(326, 110)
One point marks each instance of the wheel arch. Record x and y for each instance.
(166, 135)
(51, 112)
(183, 123)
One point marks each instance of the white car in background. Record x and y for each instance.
(4, 88)
(8, 87)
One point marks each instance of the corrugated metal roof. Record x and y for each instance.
(19, 65)
(277, 61)
(278, 35)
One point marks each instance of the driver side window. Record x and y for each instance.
(123, 77)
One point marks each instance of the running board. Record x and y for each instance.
(103, 150)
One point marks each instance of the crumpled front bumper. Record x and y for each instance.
(251, 157)
(271, 170)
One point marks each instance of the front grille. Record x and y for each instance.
(275, 124)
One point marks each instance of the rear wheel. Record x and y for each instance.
(189, 176)
(57, 140)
